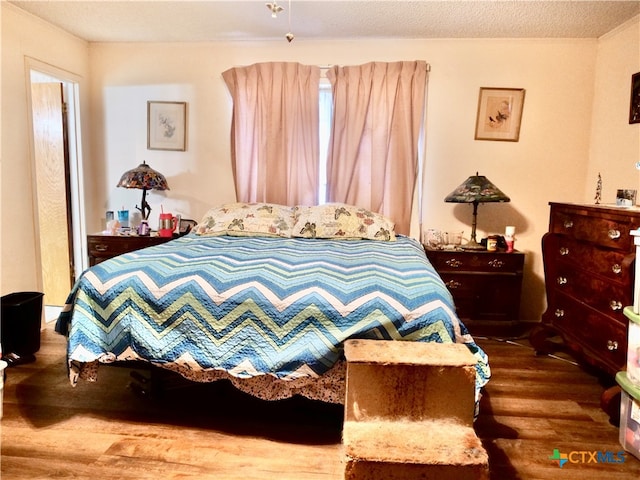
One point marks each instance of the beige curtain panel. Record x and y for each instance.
(373, 151)
(274, 132)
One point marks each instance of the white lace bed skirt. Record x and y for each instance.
(329, 388)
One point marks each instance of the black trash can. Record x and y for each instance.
(20, 324)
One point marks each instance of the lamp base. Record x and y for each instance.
(473, 245)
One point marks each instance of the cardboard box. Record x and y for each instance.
(409, 380)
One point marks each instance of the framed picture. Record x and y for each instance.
(166, 126)
(625, 197)
(499, 114)
(634, 110)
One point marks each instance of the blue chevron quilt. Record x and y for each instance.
(254, 306)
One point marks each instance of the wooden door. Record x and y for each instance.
(52, 191)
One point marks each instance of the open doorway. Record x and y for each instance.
(57, 175)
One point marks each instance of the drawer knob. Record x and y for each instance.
(452, 284)
(614, 234)
(564, 251)
(615, 305)
(562, 280)
(559, 313)
(453, 263)
(495, 263)
(101, 247)
(568, 224)
(612, 345)
(617, 269)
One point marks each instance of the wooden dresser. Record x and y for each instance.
(589, 270)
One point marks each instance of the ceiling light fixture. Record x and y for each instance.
(274, 8)
(289, 36)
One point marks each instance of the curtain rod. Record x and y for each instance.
(327, 67)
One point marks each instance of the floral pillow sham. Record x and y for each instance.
(334, 220)
(341, 221)
(247, 219)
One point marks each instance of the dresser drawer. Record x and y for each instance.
(598, 335)
(607, 297)
(484, 296)
(110, 247)
(615, 265)
(606, 232)
(103, 247)
(498, 262)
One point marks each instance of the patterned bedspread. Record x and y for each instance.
(251, 306)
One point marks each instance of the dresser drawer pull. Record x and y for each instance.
(617, 269)
(453, 263)
(612, 345)
(562, 280)
(101, 247)
(568, 224)
(495, 263)
(615, 305)
(564, 251)
(613, 234)
(559, 313)
(452, 284)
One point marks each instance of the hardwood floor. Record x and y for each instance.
(104, 430)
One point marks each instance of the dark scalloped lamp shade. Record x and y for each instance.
(476, 189)
(145, 178)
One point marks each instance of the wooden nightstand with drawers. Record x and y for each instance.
(485, 285)
(102, 247)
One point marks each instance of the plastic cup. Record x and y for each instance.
(123, 218)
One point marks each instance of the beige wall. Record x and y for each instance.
(615, 144)
(548, 163)
(24, 36)
(562, 79)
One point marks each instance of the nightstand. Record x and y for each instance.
(486, 287)
(102, 247)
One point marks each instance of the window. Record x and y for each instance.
(326, 106)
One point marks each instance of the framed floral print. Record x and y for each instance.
(166, 126)
(499, 114)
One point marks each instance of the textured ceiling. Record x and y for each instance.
(213, 20)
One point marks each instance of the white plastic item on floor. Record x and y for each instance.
(636, 289)
(3, 365)
(633, 347)
(629, 415)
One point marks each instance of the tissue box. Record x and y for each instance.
(629, 415)
(633, 347)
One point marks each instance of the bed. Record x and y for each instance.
(264, 296)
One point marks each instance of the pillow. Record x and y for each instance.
(341, 221)
(247, 219)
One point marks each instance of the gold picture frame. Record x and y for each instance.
(499, 114)
(167, 126)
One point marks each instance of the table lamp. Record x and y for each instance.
(145, 178)
(475, 190)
